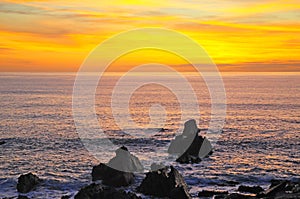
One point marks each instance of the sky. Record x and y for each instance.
(239, 36)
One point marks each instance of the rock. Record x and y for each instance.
(66, 197)
(162, 183)
(23, 197)
(287, 196)
(281, 189)
(2, 142)
(192, 153)
(247, 189)
(239, 196)
(27, 182)
(189, 145)
(273, 190)
(97, 191)
(119, 170)
(207, 193)
(124, 161)
(155, 167)
(111, 176)
(179, 193)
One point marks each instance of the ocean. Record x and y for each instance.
(260, 139)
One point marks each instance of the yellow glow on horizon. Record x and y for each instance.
(242, 36)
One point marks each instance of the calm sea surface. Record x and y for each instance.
(261, 138)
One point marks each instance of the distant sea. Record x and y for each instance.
(260, 139)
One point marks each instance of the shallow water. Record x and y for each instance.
(260, 140)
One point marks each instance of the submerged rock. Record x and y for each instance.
(119, 170)
(248, 189)
(27, 182)
(239, 196)
(281, 189)
(272, 191)
(22, 197)
(162, 183)
(208, 193)
(191, 146)
(97, 191)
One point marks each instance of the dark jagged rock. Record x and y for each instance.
(162, 183)
(179, 193)
(119, 170)
(271, 192)
(27, 182)
(97, 191)
(111, 176)
(248, 189)
(66, 197)
(282, 189)
(207, 193)
(189, 145)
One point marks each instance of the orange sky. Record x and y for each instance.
(247, 35)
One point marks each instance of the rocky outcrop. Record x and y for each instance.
(27, 182)
(164, 183)
(119, 170)
(97, 191)
(190, 146)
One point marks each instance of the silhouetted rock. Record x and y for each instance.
(22, 197)
(27, 182)
(207, 193)
(191, 146)
(179, 193)
(162, 183)
(97, 191)
(66, 197)
(282, 189)
(271, 192)
(111, 176)
(119, 170)
(2, 142)
(239, 196)
(248, 189)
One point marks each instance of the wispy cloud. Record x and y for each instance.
(250, 33)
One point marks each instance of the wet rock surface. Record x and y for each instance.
(27, 182)
(119, 170)
(279, 189)
(164, 183)
(189, 145)
(211, 193)
(97, 191)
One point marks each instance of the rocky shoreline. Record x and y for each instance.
(110, 179)
(165, 183)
